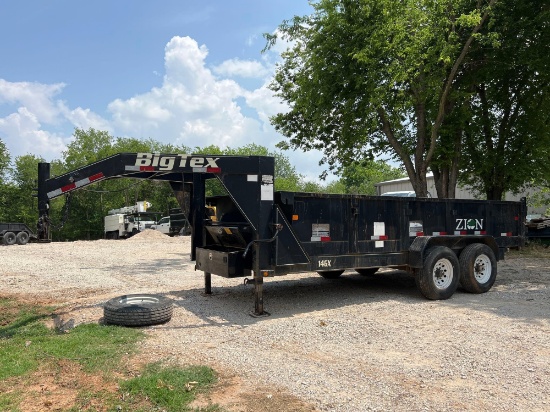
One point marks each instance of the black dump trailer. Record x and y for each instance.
(257, 232)
(15, 233)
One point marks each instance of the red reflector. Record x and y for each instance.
(325, 239)
(68, 187)
(213, 170)
(508, 233)
(96, 176)
(147, 168)
(463, 232)
(419, 233)
(516, 218)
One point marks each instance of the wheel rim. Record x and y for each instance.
(482, 268)
(442, 274)
(138, 300)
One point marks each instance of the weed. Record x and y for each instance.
(170, 388)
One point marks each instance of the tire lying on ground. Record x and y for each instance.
(137, 310)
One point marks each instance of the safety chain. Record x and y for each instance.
(65, 217)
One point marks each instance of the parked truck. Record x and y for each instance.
(177, 224)
(163, 226)
(259, 233)
(15, 233)
(129, 220)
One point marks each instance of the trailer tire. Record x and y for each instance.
(22, 238)
(367, 271)
(137, 310)
(478, 268)
(330, 274)
(439, 277)
(9, 238)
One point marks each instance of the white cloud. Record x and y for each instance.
(37, 98)
(85, 118)
(242, 68)
(192, 107)
(25, 135)
(31, 128)
(265, 103)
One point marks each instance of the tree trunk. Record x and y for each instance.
(495, 193)
(446, 178)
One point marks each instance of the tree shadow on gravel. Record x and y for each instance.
(290, 297)
(283, 297)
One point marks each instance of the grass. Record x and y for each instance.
(32, 353)
(170, 388)
(534, 249)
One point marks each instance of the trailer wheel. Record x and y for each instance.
(367, 271)
(478, 268)
(137, 310)
(9, 238)
(330, 274)
(22, 238)
(438, 279)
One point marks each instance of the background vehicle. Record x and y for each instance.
(127, 221)
(163, 225)
(403, 193)
(15, 233)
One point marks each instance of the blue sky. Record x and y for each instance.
(182, 72)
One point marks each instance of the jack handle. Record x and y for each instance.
(278, 227)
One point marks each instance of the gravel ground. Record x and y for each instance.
(351, 344)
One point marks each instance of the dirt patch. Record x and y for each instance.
(56, 386)
(233, 394)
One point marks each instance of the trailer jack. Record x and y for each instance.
(258, 282)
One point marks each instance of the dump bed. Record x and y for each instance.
(351, 231)
(327, 232)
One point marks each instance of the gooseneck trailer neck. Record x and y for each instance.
(248, 181)
(258, 232)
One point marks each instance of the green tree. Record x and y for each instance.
(87, 147)
(507, 135)
(24, 176)
(361, 178)
(374, 76)
(5, 187)
(4, 161)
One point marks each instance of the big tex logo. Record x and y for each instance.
(167, 162)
